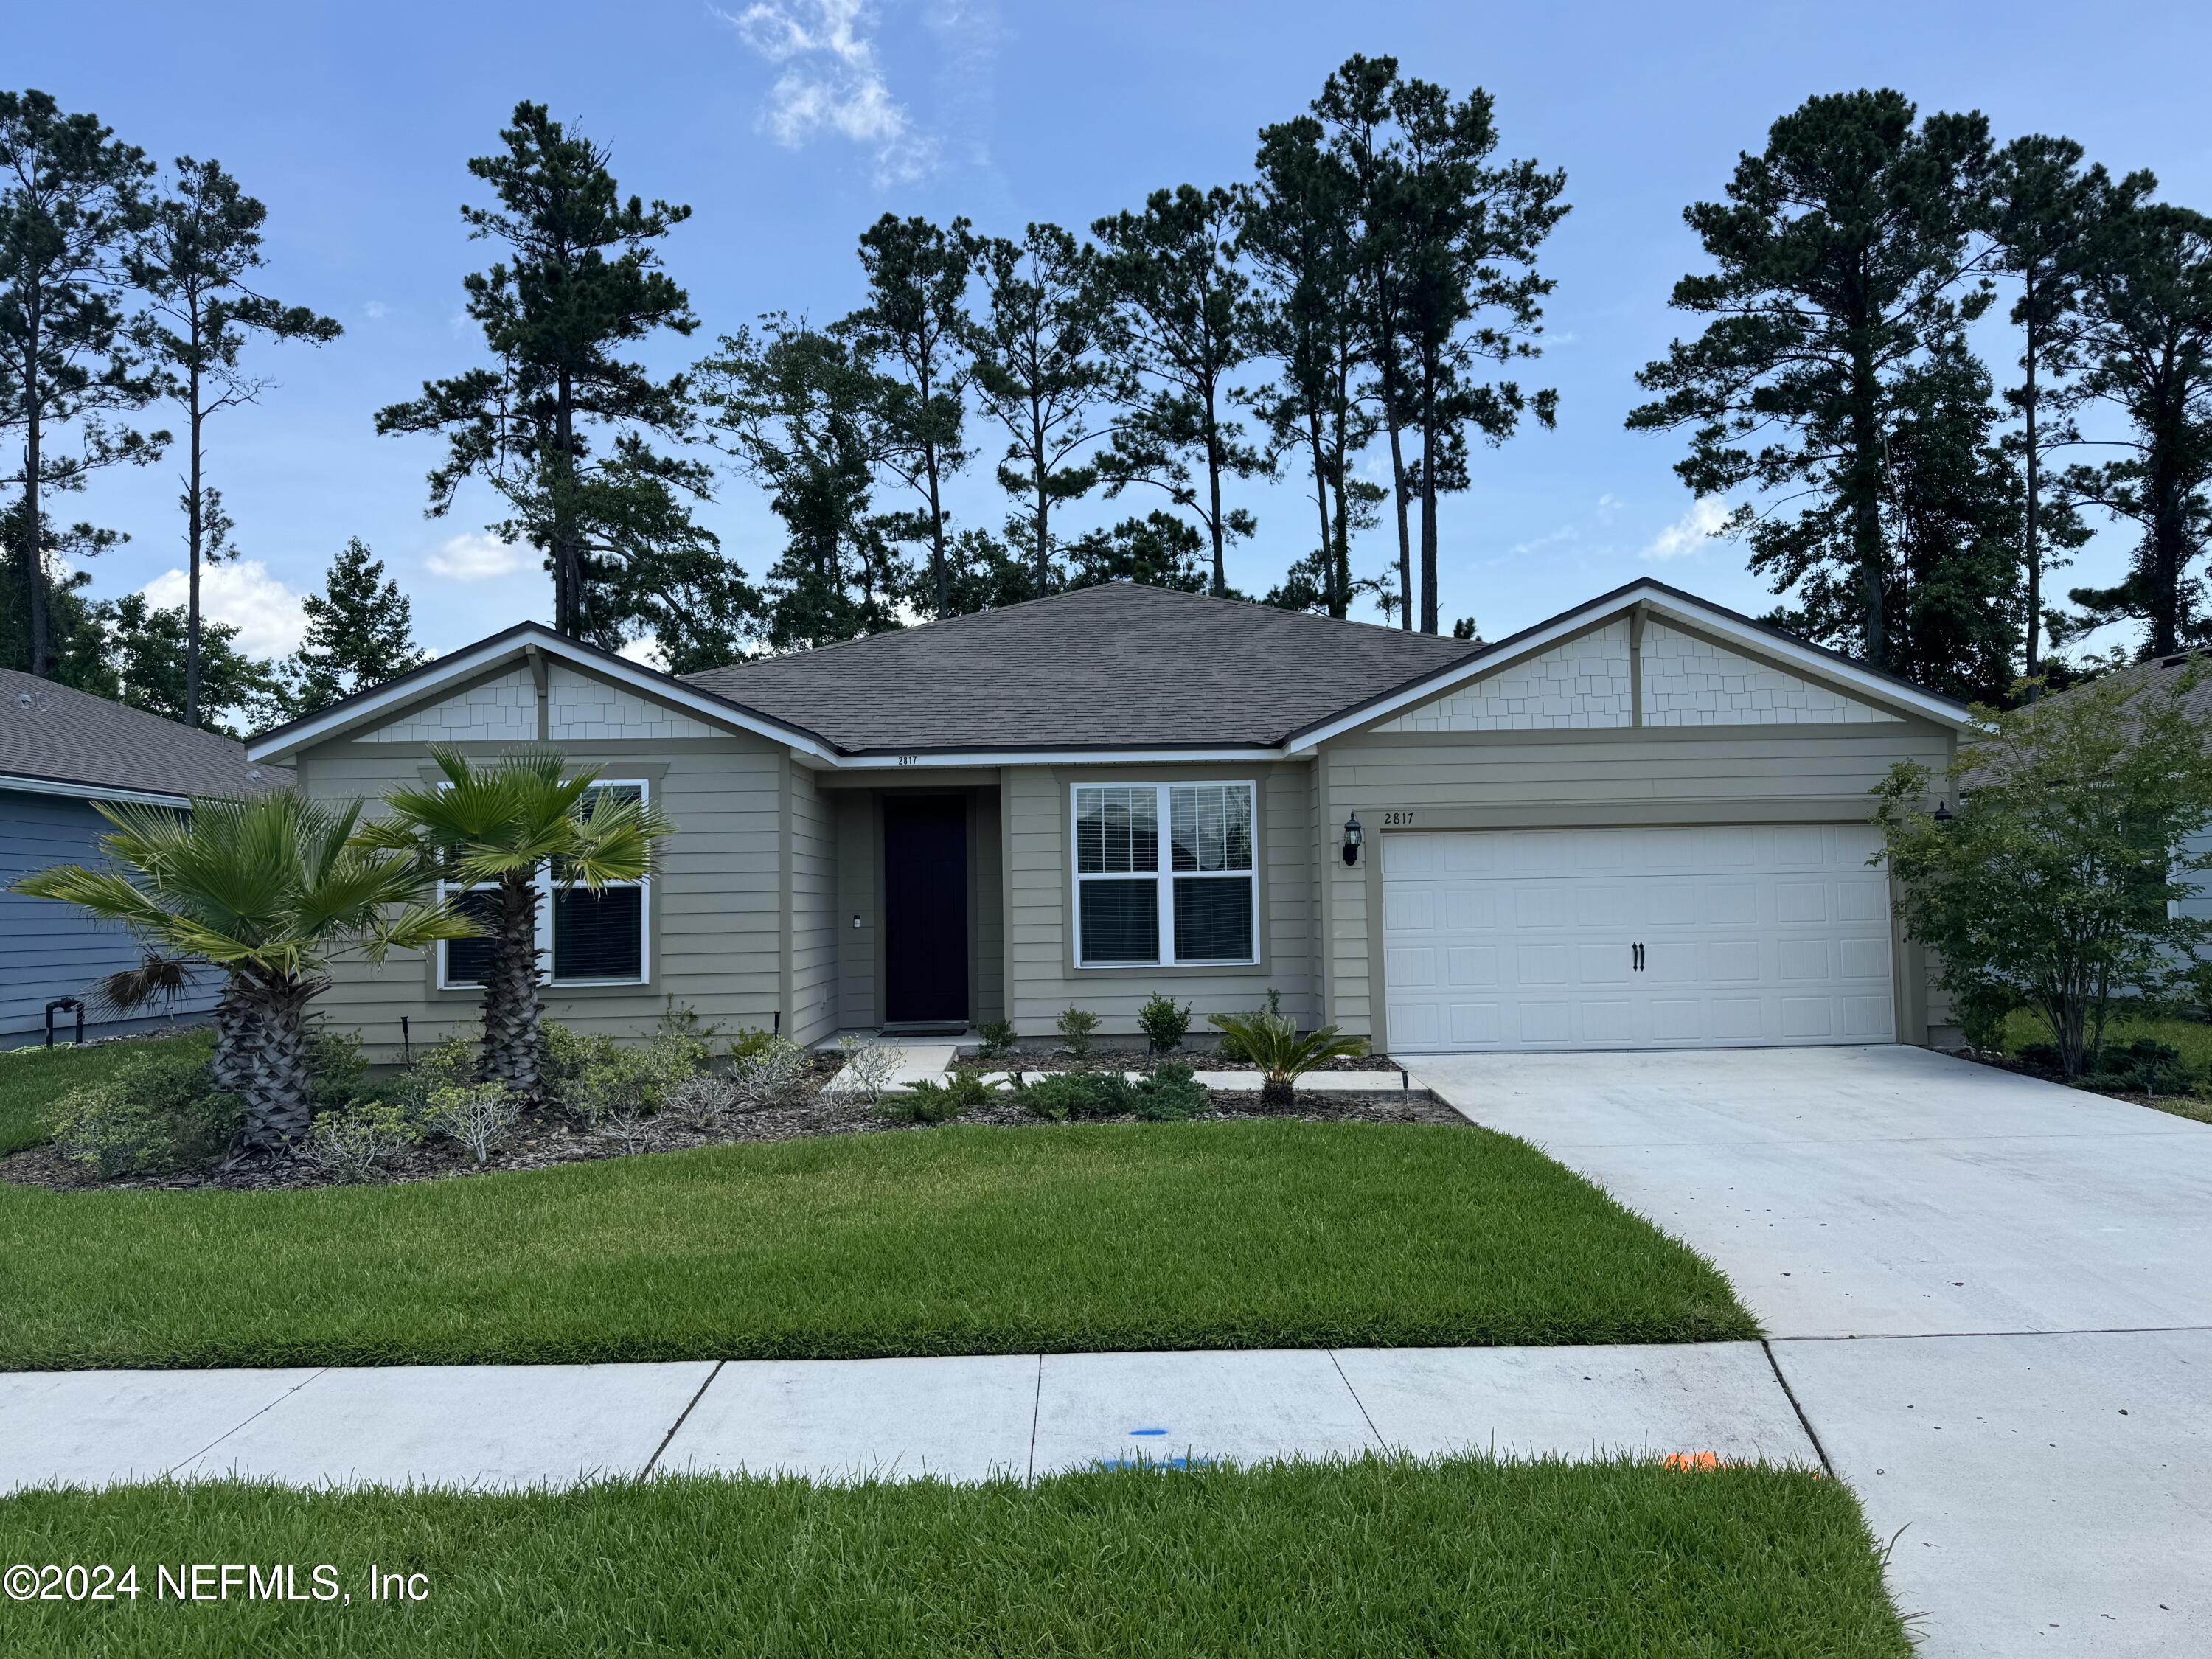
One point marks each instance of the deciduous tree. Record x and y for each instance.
(148, 652)
(192, 261)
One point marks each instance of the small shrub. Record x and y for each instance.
(479, 1118)
(682, 1030)
(769, 1072)
(867, 1071)
(567, 1056)
(1076, 1026)
(703, 1100)
(1057, 1095)
(353, 1142)
(2145, 1067)
(621, 1089)
(1163, 1023)
(1272, 1042)
(449, 1063)
(929, 1102)
(340, 1068)
(160, 1111)
(998, 1036)
(1170, 1094)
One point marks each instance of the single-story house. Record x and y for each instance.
(60, 750)
(1645, 822)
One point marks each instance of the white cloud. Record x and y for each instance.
(1690, 532)
(475, 556)
(832, 81)
(1609, 507)
(1566, 532)
(266, 612)
(646, 649)
(376, 311)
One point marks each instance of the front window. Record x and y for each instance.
(1164, 875)
(591, 939)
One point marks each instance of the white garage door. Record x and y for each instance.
(1734, 935)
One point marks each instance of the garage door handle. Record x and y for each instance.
(1637, 959)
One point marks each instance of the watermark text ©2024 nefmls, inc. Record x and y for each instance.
(210, 1580)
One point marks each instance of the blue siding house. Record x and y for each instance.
(60, 750)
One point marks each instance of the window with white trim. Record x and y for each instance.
(1165, 875)
(584, 937)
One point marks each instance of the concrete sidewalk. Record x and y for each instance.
(1991, 1297)
(1020, 1415)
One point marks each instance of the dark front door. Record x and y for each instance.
(925, 907)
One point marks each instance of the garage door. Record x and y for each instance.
(1723, 936)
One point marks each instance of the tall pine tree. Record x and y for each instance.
(1843, 254)
(563, 428)
(192, 261)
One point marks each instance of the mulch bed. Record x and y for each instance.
(1136, 1059)
(541, 1142)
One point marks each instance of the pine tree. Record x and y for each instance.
(361, 633)
(1844, 254)
(192, 261)
(1179, 325)
(563, 428)
(1158, 550)
(71, 196)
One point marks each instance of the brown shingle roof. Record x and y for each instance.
(60, 735)
(1119, 666)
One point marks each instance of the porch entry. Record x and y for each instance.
(924, 909)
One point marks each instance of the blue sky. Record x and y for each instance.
(790, 124)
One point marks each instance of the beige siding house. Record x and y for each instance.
(1643, 823)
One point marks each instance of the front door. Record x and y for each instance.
(925, 909)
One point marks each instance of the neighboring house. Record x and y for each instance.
(60, 750)
(1644, 823)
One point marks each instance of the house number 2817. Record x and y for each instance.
(1397, 820)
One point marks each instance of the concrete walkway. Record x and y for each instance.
(1021, 1415)
(1991, 1298)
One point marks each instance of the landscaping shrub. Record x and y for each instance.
(620, 1091)
(702, 1101)
(1076, 1025)
(1057, 1095)
(339, 1068)
(353, 1142)
(1171, 1093)
(2144, 1066)
(684, 1032)
(159, 1111)
(931, 1101)
(479, 1117)
(1272, 1042)
(1164, 1023)
(763, 1074)
(868, 1069)
(1231, 1047)
(998, 1036)
(567, 1056)
(449, 1063)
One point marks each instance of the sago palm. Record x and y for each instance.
(270, 890)
(1272, 1042)
(498, 826)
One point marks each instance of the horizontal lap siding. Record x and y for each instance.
(1040, 982)
(1582, 776)
(717, 906)
(47, 949)
(813, 911)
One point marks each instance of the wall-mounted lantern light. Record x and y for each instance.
(1353, 836)
(856, 918)
(1943, 813)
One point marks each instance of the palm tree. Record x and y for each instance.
(499, 828)
(270, 890)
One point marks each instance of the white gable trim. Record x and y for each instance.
(372, 708)
(28, 785)
(1815, 664)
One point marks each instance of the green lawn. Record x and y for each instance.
(959, 1240)
(32, 1079)
(1463, 1557)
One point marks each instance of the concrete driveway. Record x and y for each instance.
(1991, 1297)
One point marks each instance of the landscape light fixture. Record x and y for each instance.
(1353, 836)
(1943, 814)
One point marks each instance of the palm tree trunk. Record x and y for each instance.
(511, 1008)
(233, 1036)
(278, 1076)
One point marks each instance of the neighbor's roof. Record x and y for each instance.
(1115, 667)
(57, 740)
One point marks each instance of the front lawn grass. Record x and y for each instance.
(959, 1240)
(1382, 1556)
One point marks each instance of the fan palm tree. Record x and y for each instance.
(270, 890)
(497, 828)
